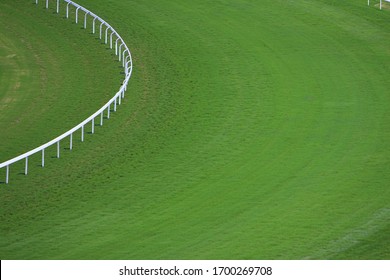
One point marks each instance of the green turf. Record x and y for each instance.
(251, 130)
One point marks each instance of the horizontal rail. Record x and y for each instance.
(116, 99)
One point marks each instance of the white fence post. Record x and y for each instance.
(26, 167)
(93, 25)
(43, 158)
(67, 10)
(47, 4)
(77, 14)
(116, 46)
(71, 142)
(108, 111)
(101, 118)
(101, 26)
(93, 126)
(82, 134)
(58, 149)
(85, 20)
(58, 6)
(105, 40)
(127, 67)
(7, 175)
(123, 58)
(112, 33)
(120, 52)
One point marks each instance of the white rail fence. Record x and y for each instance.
(124, 55)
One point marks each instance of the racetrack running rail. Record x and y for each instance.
(124, 55)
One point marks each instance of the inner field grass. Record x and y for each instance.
(250, 131)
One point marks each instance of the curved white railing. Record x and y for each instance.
(124, 55)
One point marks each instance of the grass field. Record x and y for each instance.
(250, 130)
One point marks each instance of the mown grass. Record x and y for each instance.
(250, 131)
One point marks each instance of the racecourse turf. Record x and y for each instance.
(250, 130)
